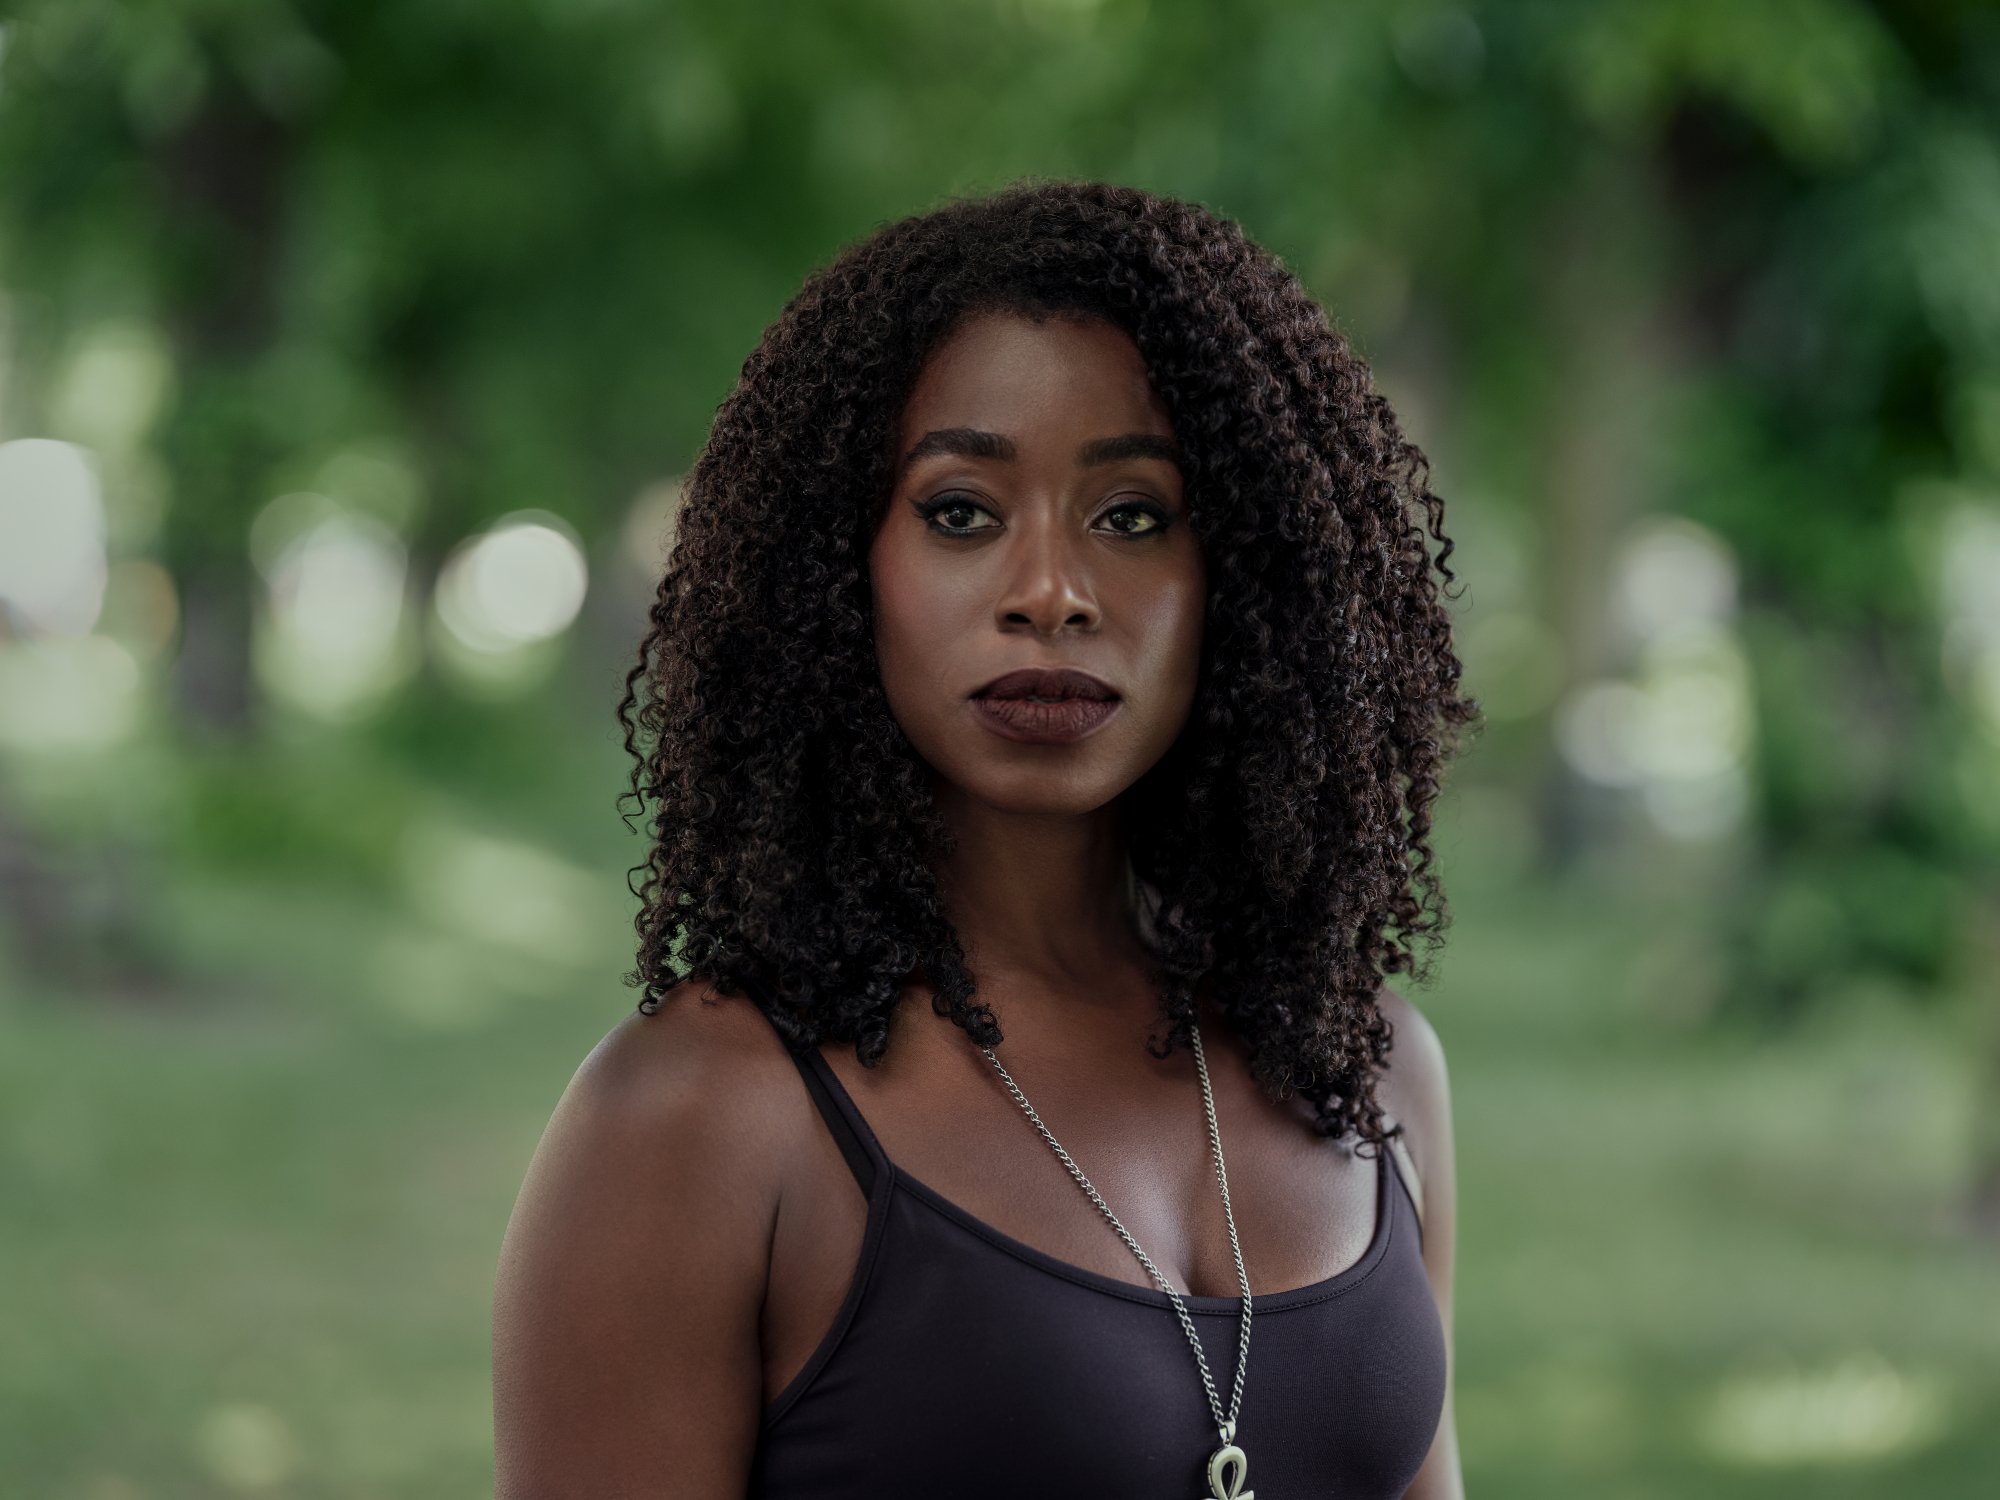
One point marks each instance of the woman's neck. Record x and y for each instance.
(1045, 901)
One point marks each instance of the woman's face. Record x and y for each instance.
(1037, 520)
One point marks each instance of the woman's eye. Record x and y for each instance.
(952, 507)
(951, 515)
(1146, 511)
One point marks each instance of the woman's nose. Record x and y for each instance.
(1047, 579)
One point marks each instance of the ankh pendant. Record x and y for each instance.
(1232, 1460)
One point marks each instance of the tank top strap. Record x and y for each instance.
(1406, 1173)
(864, 1154)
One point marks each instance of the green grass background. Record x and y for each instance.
(251, 1229)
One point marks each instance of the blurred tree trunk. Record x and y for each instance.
(35, 898)
(212, 672)
(223, 172)
(74, 910)
(1611, 356)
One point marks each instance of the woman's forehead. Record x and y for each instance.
(1005, 373)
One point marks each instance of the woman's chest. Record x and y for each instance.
(1305, 1208)
(963, 1362)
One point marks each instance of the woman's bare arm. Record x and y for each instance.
(1417, 1091)
(626, 1360)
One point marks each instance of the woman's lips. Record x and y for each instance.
(1057, 723)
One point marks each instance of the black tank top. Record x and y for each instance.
(965, 1364)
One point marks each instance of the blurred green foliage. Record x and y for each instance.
(1693, 304)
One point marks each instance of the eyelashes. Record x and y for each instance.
(953, 500)
(938, 504)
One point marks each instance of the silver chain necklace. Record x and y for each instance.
(1228, 1465)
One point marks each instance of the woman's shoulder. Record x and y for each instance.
(1416, 1065)
(1415, 1092)
(692, 1100)
(702, 1061)
(1416, 1083)
(634, 1265)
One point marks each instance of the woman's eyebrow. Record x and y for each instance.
(1114, 450)
(965, 442)
(974, 442)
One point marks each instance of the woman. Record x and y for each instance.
(1042, 713)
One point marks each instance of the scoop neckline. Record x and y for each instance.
(1152, 1296)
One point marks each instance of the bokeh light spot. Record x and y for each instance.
(521, 581)
(52, 538)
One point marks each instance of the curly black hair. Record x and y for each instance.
(794, 840)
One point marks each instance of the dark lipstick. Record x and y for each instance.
(1045, 705)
